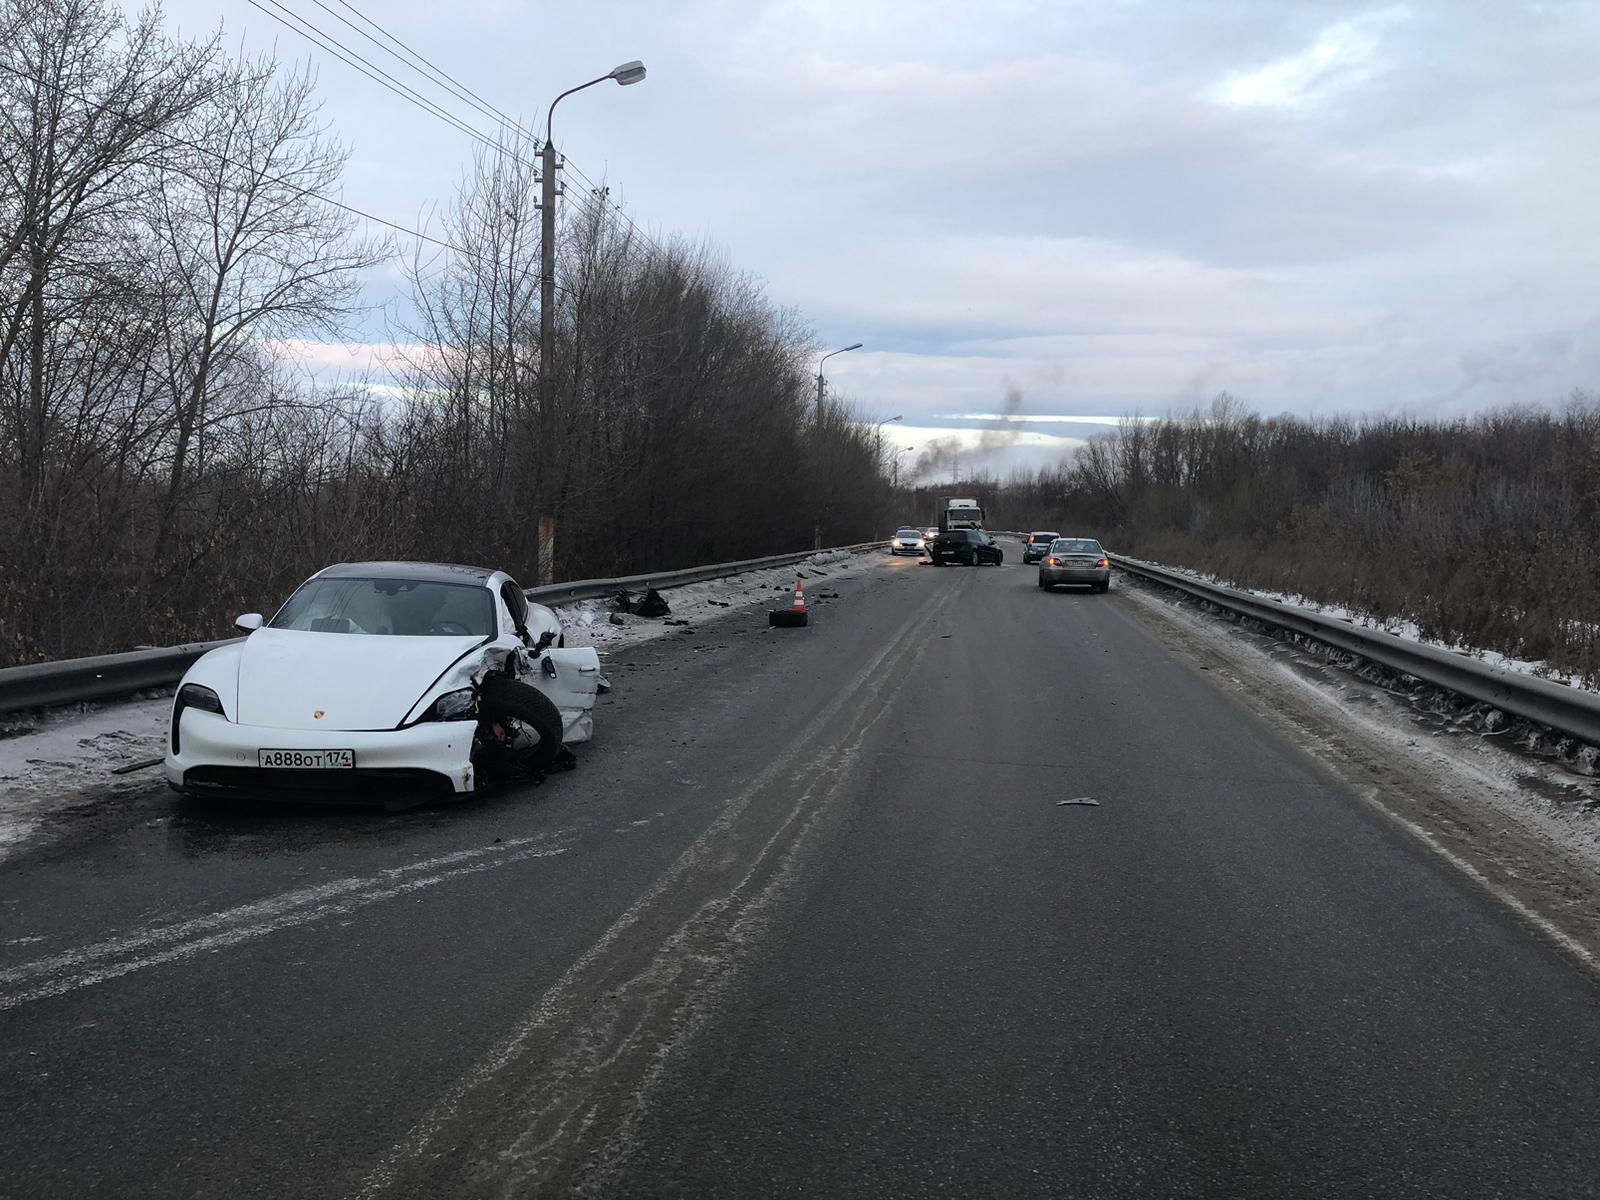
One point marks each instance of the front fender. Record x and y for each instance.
(490, 656)
(218, 670)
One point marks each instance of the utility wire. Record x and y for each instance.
(325, 41)
(298, 189)
(439, 74)
(462, 91)
(445, 79)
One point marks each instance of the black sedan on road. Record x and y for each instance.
(970, 547)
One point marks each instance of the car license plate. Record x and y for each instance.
(312, 760)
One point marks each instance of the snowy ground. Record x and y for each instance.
(588, 623)
(67, 756)
(1399, 628)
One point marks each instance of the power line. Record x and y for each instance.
(449, 81)
(378, 75)
(298, 189)
(444, 79)
(280, 181)
(442, 76)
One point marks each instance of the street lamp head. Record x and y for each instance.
(628, 72)
(894, 418)
(853, 346)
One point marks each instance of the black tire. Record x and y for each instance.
(504, 696)
(1000, 559)
(1043, 586)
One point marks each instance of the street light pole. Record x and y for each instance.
(877, 434)
(628, 72)
(897, 456)
(820, 361)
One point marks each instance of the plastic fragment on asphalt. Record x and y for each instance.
(138, 766)
(1084, 800)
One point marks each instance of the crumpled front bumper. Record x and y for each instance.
(217, 756)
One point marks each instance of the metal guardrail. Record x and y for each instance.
(1568, 710)
(594, 589)
(40, 685)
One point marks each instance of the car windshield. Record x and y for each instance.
(1076, 546)
(907, 532)
(398, 607)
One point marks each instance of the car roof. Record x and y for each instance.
(430, 572)
(1044, 533)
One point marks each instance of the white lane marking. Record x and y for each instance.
(154, 946)
(1545, 926)
(553, 1006)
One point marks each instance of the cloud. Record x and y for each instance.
(1116, 206)
(1343, 55)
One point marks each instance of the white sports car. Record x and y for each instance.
(383, 679)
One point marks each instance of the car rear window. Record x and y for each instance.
(1042, 537)
(1077, 546)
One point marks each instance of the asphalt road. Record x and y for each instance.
(808, 920)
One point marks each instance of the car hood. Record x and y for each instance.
(294, 680)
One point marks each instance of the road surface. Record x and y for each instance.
(808, 920)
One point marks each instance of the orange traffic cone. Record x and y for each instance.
(795, 615)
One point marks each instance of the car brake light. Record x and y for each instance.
(1052, 562)
(1104, 562)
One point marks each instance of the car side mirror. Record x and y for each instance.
(247, 622)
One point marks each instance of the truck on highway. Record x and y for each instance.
(960, 514)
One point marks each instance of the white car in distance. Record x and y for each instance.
(392, 681)
(906, 540)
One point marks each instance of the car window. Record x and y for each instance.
(398, 607)
(1076, 546)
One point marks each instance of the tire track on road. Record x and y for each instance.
(158, 945)
(599, 1038)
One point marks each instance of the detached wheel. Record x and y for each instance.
(504, 696)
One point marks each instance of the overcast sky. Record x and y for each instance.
(1106, 207)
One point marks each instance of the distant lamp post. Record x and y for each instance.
(897, 456)
(877, 434)
(823, 359)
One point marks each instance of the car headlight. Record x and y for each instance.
(193, 695)
(459, 705)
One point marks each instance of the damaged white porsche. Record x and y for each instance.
(383, 680)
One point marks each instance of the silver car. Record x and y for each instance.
(1076, 560)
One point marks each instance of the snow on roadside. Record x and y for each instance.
(1392, 625)
(588, 623)
(68, 751)
(48, 763)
